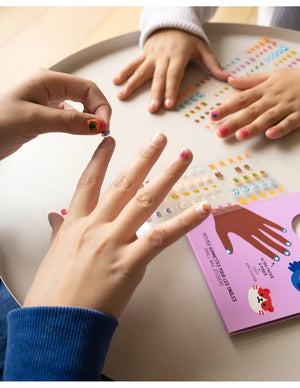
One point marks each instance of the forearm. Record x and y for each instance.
(190, 19)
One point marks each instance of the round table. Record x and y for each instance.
(171, 329)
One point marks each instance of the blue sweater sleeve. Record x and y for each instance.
(57, 343)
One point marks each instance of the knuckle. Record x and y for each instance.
(242, 98)
(271, 116)
(144, 199)
(252, 111)
(158, 237)
(69, 117)
(86, 180)
(122, 183)
(146, 152)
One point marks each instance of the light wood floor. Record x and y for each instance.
(35, 37)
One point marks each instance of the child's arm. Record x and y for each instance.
(28, 110)
(271, 104)
(170, 37)
(94, 263)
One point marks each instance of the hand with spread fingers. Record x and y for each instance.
(38, 106)
(254, 229)
(165, 57)
(95, 260)
(269, 102)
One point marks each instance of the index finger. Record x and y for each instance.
(47, 87)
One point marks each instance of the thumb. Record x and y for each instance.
(248, 81)
(55, 221)
(69, 120)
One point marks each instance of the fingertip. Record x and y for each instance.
(242, 134)
(153, 106)
(117, 80)
(204, 208)
(169, 103)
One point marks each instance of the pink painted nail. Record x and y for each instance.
(214, 114)
(272, 132)
(98, 126)
(184, 154)
(223, 130)
(244, 133)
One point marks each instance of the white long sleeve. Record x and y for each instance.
(189, 19)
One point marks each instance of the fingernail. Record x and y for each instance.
(184, 154)
(243, 132)
(122, 93)
(222, 131)
(271, 132)
(98, 126)
(63, 212)
(203, 208)
(158, 139)
(168, 103)
(152, 105)
(214, 114)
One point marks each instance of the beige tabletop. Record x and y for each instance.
(171, 329)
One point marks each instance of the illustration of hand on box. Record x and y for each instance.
(254, 229)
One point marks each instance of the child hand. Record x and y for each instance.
(166, 54)
(37, 106)
(271, 105)
(95, 259)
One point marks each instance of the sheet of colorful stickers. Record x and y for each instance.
(233, 179)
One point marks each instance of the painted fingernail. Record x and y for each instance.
(168, 103)
(63, 212)
(203, 208)
(222, 130)
(158, 139)
(98, 126)
(288, 243)
(214, 114)
(229, 251)
(243, 132)
(276, 258)
(184, 154)
(272, 132)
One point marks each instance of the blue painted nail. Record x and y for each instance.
(288, 243)
(229, 251)
(287, 253)
(284, 230)
(276, 258)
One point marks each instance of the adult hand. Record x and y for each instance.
(95, 259)
(165, 57)
(37, 106)
(271, 104)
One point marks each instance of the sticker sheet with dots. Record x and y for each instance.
(225, 182)
(198, 100)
